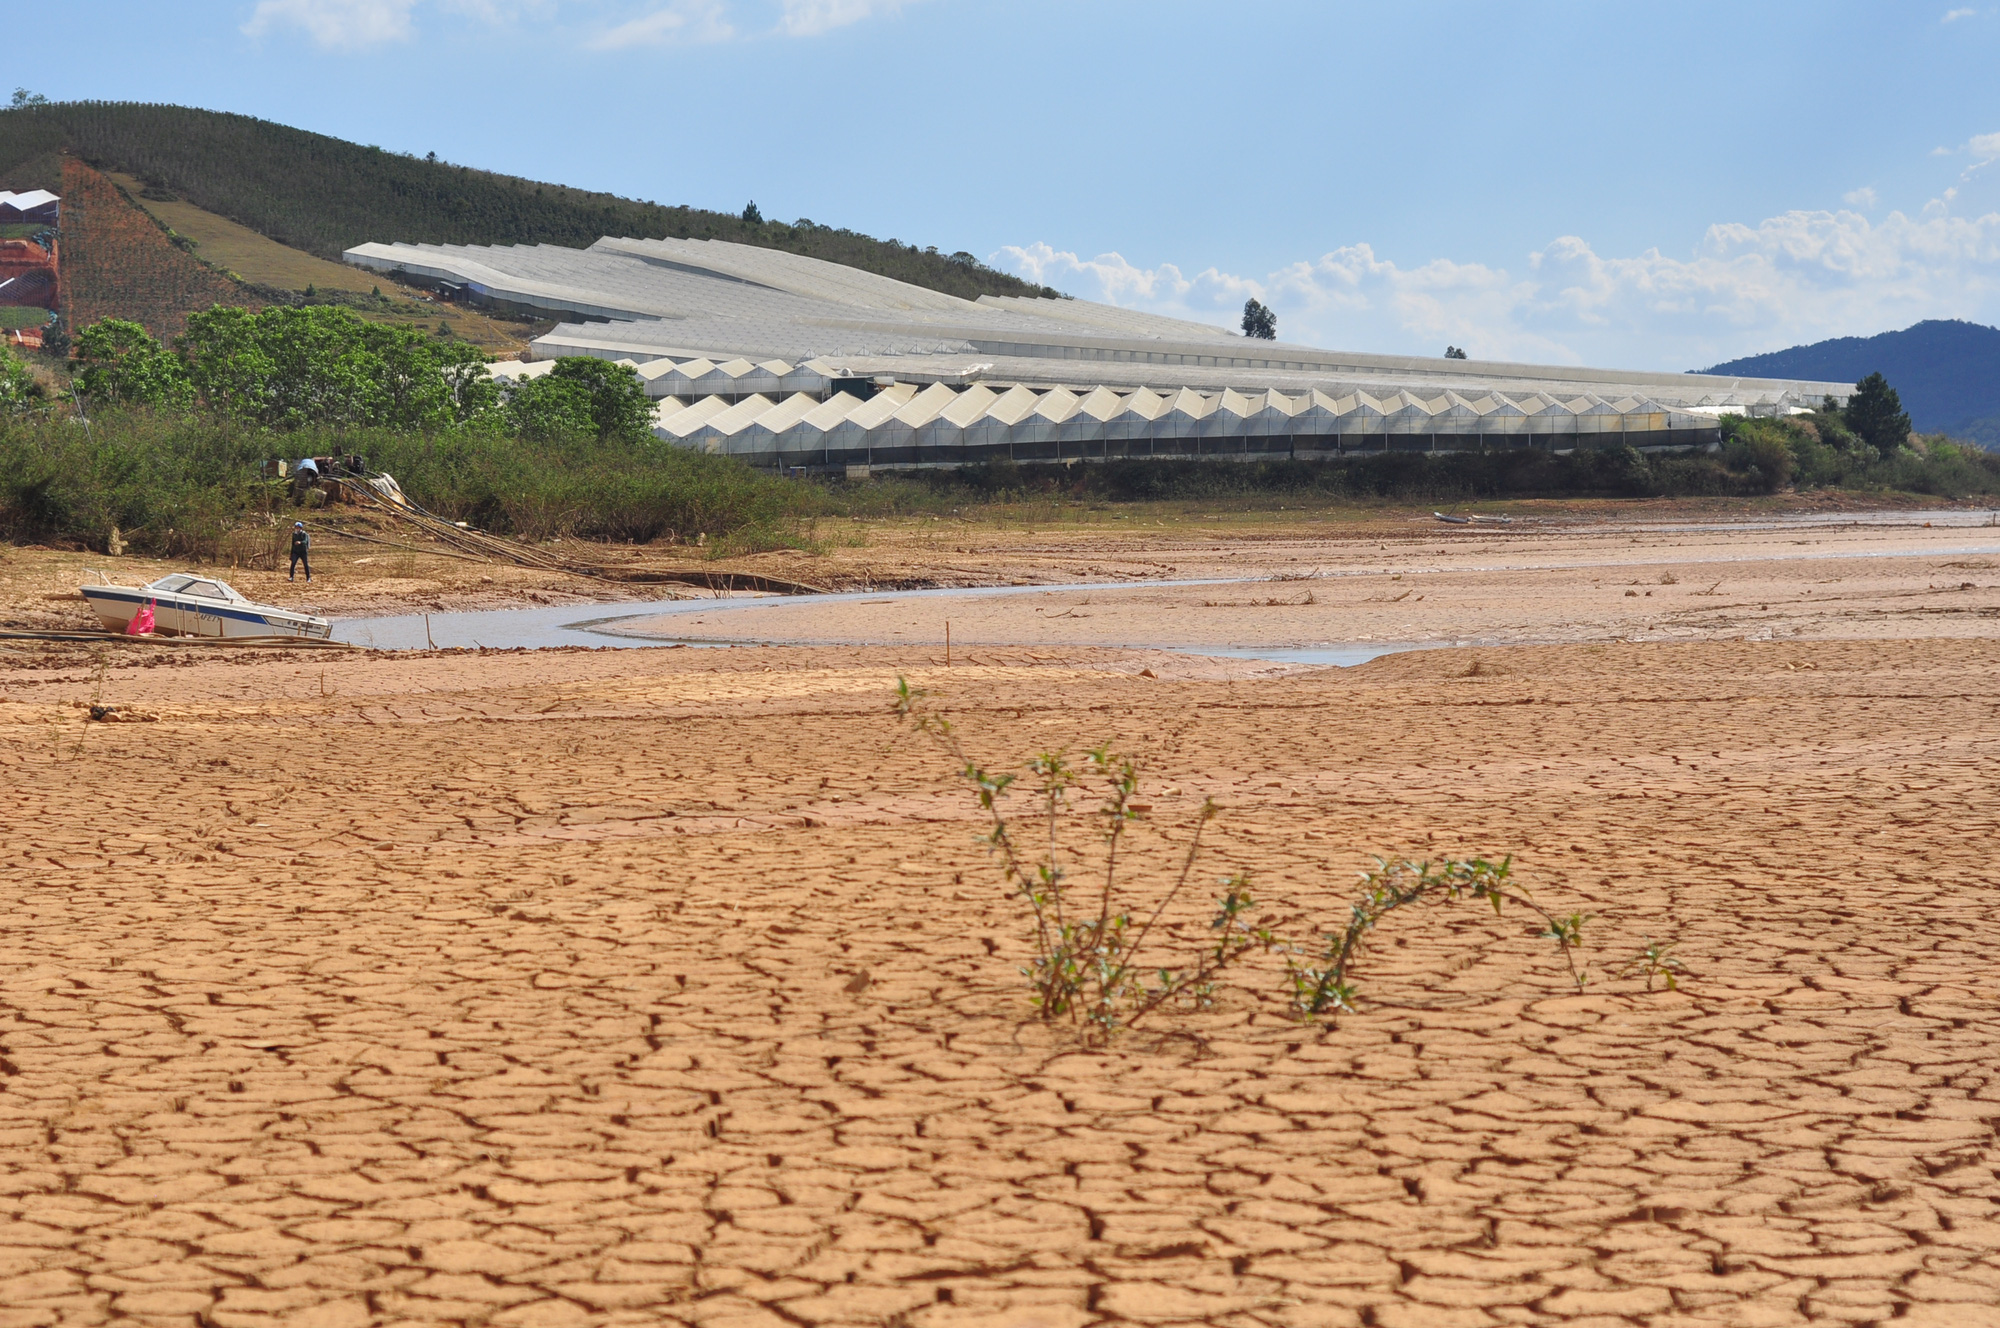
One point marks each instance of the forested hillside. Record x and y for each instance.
(325, 195)
(1947, 372)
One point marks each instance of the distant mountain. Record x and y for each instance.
(1947, 372)
(324, 195)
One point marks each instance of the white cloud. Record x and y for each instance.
(809, 18)
(500, 11)
(1984, 146)
(336, 24)
(1799, 277)
(1863, 197)
(1954, 15)
(682, 22)
(618, 24)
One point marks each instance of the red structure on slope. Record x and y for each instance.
(29, 274)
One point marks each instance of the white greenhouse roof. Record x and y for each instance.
(944, 425)
(767, 322)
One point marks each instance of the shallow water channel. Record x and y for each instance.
(643, 623)
(609, 624)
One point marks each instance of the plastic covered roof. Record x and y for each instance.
(682, 300)
(944, 417)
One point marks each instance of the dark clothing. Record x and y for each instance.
(301, 550)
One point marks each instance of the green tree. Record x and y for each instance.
(426, 383)
(1832, 428)
(119, 363)
(474, 395)
(619, 406)
(19, 392)
(305, 366)
(1876, 413)
(1259, 322)
(550, 408)
(226, 363)
(320, 365)
(751, 216)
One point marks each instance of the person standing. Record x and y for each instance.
(301, 552)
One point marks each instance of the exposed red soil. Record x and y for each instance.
(118, 263)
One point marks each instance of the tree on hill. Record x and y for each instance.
(1876, 413)
(1259, 322)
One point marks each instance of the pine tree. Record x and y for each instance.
(1876, 413)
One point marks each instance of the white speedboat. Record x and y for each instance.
(185, 604)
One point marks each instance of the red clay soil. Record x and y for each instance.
(118, 263)
(29, 275)
(672, 986)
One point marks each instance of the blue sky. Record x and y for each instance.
(1643, 185)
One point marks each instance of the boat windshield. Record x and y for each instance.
(180, 583)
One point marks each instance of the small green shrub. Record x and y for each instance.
(1655, 962)
(20, 392)
(1764, 457)
(1091, 965)
(1326, 986)
(1095, 964)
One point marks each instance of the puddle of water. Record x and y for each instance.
(1340, 656)
(1956, 517)
(505, 629)
(590, 625)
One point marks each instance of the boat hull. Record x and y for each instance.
(182, 615)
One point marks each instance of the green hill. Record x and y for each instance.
(325, 195)
(1947, 372)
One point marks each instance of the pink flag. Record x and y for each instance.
(142, 621)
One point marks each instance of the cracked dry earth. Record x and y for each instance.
(651, 987)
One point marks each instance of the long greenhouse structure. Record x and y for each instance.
(793, 362)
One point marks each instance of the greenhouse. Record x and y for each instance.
(904, 425)
(796, 362)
